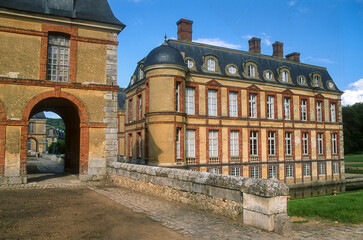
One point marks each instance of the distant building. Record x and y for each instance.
(212, 109)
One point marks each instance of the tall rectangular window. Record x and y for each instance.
(190, 143)
(287, 115)
(232, 104)
(139, 145)
(272, 171)
(332, 112)
(139, 106)
(320, 144)
(234, 143)
(253, 143)
(189, 100)
(270, 107)
(304, 115)
(288, 145)
(319, 112)
(305, 142)
(31, 128)
(178, 143)
(235, 171)
(306, 170)
(271, 143)
(253, 105)
(213, 143)
(211, 65)
(255, 172)
(334, 143)
(335, 168)
(58, 58)
(130, 110)
(212, 102)
(289, 171)
(130, 145)
(321, 169)
(177, 97)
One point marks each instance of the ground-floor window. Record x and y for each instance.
(289, 171)
(272, 171)
(214, 170)
(235, 171)
(254, 172)
(321, 169)
(306, 170)
(335, 168)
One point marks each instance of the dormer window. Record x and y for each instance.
(190, 63)
(141, 74)
(301, 80)
(251, 71)
(316, 81)
(211, 65)
(232, 70)
(268, 75)
(285, 76)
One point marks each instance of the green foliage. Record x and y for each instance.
(57, 147)
(56, 122)
(353, 128)
(345, 207)
(355, 171)
(354, 157)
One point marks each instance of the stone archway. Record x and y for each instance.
(75, 117)
(36, 142)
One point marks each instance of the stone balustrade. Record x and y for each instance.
(260, 203)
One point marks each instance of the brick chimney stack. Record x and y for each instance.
(295, 56)
(185, 29)
(255, 45)
(278, 49)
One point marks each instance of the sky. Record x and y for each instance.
(327, 33)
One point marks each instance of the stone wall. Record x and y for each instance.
(260, 203)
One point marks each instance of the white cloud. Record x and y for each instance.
(355, 94)
(291, 3)
(218, 42)
(318, 60)
(265, 38)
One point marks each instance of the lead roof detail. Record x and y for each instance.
(225, 57)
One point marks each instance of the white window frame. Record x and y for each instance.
(58, 62)
(253, 143)
(289, 171)
(321, 169)
(304, 114)
(333, 117)
(336, 168)
(235, 171)
(251, 71)
(270, 107)
(130, 110)
(211, 65)
(320, 143)
(334, 143)
(255, 172)
(213, 143)
(306, 170)
(288, 143)
(285, 76)
(253, 105)
(214, 170)
(234, 143)
(305, 143)
(319, 113)
(190, 100)
(177, 96)
(271, 143)
(233, 104)
(272, 171)
(212, 102)
(190, 143)
(287, 115)
(190, 63)
(178, 142)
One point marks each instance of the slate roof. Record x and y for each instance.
(93, 10)
(39, 115)
(164, 54)
(226, 56)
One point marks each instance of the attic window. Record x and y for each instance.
(316, 81)
(190, 63)
(232, 70)
(301, 80)
(251, 71)
(141, 74)
(211, 65)
(268, 75)
(285, 76)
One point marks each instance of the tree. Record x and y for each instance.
(353, 128)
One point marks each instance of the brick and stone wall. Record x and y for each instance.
(261, 203)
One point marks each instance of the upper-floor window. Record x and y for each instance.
(305, 142)
(251, 71)
(212, 102)
(271, 143)
(320, 144)
(213, 143)
(177, 96)
(190, 143)
(316, 81)
(304, 110)
(253, 143)
(211, 65)
(190, 63)
(334, 142)
(288, 145)
(130, 110)
(332, 112)
(234, 143)
(189, 100)
(253, 105)
(31, 128)
(139, 106)
(285, 76)
(270, 107)
(178, 143)
(287, 108)
(58, 58)
(50, 132)
(232, 104)
(141, 74)
(319, 113)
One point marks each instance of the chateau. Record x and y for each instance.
(212, 109)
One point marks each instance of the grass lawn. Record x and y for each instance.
(354, 165)
(357, 157)
(344, 207)
(355, 171)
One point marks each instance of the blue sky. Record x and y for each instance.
(327, 33)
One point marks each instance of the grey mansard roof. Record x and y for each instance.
(93, 10)
(39, 115)
(225, 56)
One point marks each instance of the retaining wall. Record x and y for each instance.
(260, 203)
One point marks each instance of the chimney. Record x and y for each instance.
(185, 29)
(255, 45)
(295, 56)
(278, 50)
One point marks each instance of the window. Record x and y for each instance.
(190, 143)
(178, 143)
(130, 110)
(253, 143)
(289, 171)
(255, 172)
(272, 171)
(270, 107)
(190, 63)
(51, 132)
(139, 145)
(232, 104)
(321, 169)
(316, 81)
(288, 145)
(301, 80)
(268, 75)
(305, 143)
(177, 97)
(130, 145)
(211, 65)
(212, 102)
(285, 76)
(332, 112)
(235, 171)
(287, 115)
(304, 110)
(234, 143)
(306, 170)
(251, 71)
(232, 69)
(334, 143)
(335, 168)
(189, 100)
(213, 143)
(31, 128)
(58, 58)
(253, 105)
(29, 145)
(139, 100)
(320, 144)
(319, 113)
(141, 74)
(214, 170)
(271, 143)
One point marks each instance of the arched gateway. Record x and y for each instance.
(65, 63)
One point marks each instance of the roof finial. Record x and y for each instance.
(165, 37)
